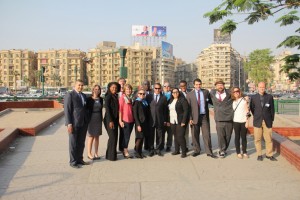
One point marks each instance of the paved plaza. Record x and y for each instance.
(37, 168)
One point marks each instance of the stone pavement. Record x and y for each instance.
(37, 168)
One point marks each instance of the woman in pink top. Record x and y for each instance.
(126, 120)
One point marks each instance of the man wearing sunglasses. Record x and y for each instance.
(159, 112)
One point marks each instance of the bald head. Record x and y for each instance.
(261, 88)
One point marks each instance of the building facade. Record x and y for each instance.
(17, 69)
(187, 72)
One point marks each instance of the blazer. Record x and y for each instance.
(75, 111)
(182, 110)
(193, 105)
(223, 110)
(140, 113)
(159, 110)
(266, 113)
(90, 106)
(111, 108)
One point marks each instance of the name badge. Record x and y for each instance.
(267, 105)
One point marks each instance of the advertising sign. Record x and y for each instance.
(167, 50)
(158, 31)
(221, 37)
(140, 30)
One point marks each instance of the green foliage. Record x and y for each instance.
(259, 65)
(255, 11)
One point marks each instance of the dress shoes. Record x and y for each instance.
(183, 155)
(259, 158)
(83, 163)
(138, 155)
(195, 154)
(74, 166)
(271, 158)
(159, 153)
(175, 153)
(168, 149)
(212, 156)
(151, 153)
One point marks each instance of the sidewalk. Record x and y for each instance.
(37, 168)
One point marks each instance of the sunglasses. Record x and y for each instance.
(157, 88)
(142, 94)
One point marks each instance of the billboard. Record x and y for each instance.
(158, 31)
(140, 30)
(151, 31)
(220, 37)
(166, 50)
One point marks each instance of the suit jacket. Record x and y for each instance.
(193, 105)
(90, 106)
(140, 113)
(111, 108)
(223, 110)
(266, 113)
(75, 111)
(182, 110)
(159, 110)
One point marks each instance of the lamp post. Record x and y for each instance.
(75, 73)
(42, 78)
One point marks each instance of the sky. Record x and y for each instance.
(74, 24)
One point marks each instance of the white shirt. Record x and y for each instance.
(223, 95)
(241, 111)
(173, 113)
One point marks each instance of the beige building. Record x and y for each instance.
(62, 67)
(281, 81)
(220, 61)
(17, 68)
(106, 62)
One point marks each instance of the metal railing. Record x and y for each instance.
(41, 98)
(287, 106)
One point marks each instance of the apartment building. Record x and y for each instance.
(17, 68)
(187, 72)
(62, 67)
(220, 60)
(106, 62)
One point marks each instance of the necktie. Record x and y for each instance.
(81, 97)
(199, 100)
(220, 98)
(156, 98)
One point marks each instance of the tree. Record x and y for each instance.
(256, 10)
(56, 78)
(258, 65)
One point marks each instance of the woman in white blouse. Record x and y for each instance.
(178, 120)
(241, 109)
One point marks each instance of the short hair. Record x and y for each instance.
(121, 78)
(158, 84)
(127, 85)
(183, 81)
(197, 80)
(79, 80)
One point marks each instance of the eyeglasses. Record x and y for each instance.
(157, 88)
(142, 94)
(237, 91)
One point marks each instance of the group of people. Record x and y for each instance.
(164, 113)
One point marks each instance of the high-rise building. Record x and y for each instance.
(163, 70)
(17, 68)
(220, 61)
(61, 67)
(187, 72)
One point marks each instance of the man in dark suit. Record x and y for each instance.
(199, 118)
(223, 111)
(148, 92)
(262, 108)
(159, 110)
(183, 92)
(76, 120)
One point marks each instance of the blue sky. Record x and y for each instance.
(74, 24)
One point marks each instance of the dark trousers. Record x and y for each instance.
(240, 133)
(111, 151)
(205, 128)
(147, 134)
(169, 137)
(127, 129)
(121, 138)
(179, 137)
(77, 143)
(157, 131)
(224, 131)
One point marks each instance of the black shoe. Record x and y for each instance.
(151, 153)
(259, 158)
(183, 155)
(75, 166)
(143, 155)
(195, 154)
(175, 153)
(137, 155)
(212, 156)
(159, 153)
(271, 158)
(83, 163)
(187, 150)
(168, 149)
